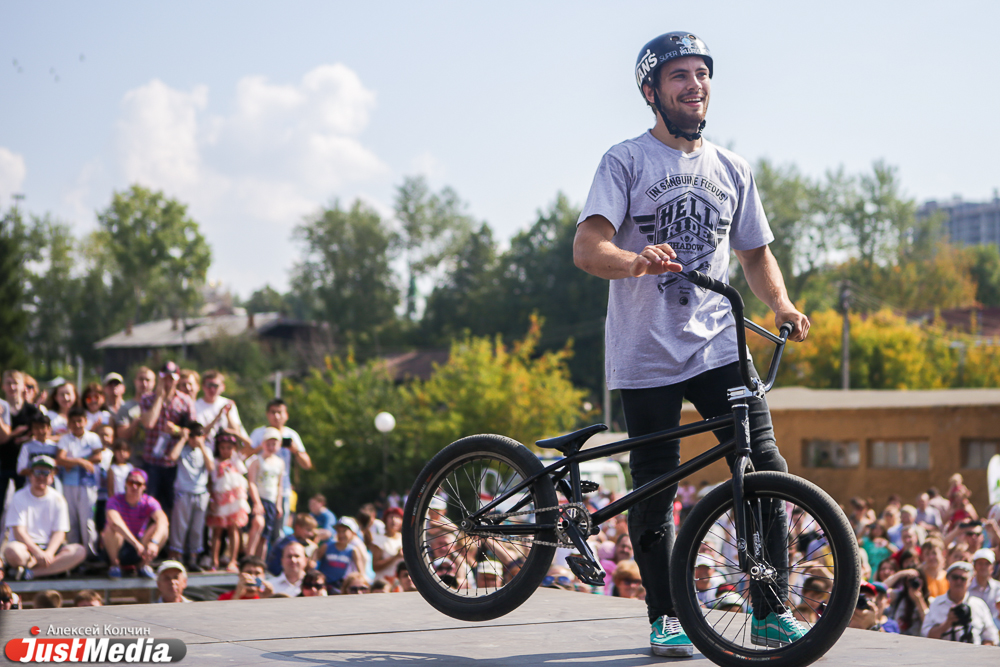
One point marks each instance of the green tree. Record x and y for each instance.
(153, 253)
(434, 228)
(344, 277)
(487, 387)
(985, 270)
(13, 317)
(267, 300)
(53, 291)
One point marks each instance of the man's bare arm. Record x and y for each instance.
(764, 277)
(594, 252)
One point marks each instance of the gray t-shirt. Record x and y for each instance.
(663, 330)
(192, 471)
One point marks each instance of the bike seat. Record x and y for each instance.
(571, 442)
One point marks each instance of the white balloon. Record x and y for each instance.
(385, 422)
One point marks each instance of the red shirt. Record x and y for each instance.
(229, 596)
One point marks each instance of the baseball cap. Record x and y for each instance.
(704, 560)
(347, 521)
(986, 554)
(171, 565)
(43, 460)
(490, 567)
(271, 433)
(960, 565)
(438, 503)
(393, 511)
(730, 599)
(113, 377)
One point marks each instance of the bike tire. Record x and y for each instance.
(726, 636)
(463, 477)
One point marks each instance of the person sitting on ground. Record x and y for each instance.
(8, 598)
(171, 580)
(983, 586)
(136, 529)
(293, 568)
(251, 584)
(403, 582)
(387, 548)
(39, 520)
(354, 584)
(339, 556)
(325, 519)
(958, 616)
(88, 598)
(313, 584)
(303, 532)
(626, 580)
(48, 600)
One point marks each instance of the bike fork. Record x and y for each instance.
(746, 543)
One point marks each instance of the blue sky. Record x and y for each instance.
(257, 113)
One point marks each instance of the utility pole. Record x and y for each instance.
(845, 338)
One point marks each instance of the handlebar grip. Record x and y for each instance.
(786, 330)
(704, 281)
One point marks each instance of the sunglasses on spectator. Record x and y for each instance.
(562, 581)
(357, 589)
(631, 582)
(212, 385)
(973, 533)
(958, 577)
(315, 586)
(41, 472)
(135, 482)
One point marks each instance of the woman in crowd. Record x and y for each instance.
(62, 401)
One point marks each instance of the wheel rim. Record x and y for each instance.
(459, 562)
(724, 595)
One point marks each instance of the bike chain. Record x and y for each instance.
(564, 541)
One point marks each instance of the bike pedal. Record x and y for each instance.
(587, 486)
(586, 570)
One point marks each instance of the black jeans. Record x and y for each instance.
(651, 522)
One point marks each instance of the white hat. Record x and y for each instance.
(986, 554)
(704, 560)
(347, 522)
(438, 503)
(730, 599)
(171, 565)
(960, 565)
(490, 567)
(271, 433)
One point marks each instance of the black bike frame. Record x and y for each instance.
(738, 445)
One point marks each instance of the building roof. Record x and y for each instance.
(418, 364)
(190, 331)
(801, 398)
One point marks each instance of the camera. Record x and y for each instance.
(915, 583)
(963, 614)
(863, 601)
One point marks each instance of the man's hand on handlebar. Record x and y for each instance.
(654, 260)
(797, 319)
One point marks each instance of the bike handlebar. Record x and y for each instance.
(736, 301)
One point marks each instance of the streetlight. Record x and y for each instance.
(384, 423)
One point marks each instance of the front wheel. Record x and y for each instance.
(462, 572)
(799, 587)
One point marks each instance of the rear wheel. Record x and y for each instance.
(460, 571)
(801, 579)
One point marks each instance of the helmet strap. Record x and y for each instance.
(671, 128)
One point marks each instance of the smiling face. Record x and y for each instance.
(65, 397)
(684, 90)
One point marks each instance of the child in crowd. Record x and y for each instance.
(340, 556)
(267, 472)
(62, 401)
(93, 403)
(120, 467)
(106, 432)
(80, 451)
(187, 520)
(228, 510)
(40, 443)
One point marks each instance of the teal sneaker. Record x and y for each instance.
(669, 640)
(776, 630)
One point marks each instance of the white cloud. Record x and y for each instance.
(12, 173)
(251, 175)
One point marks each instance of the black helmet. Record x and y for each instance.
(668, 47)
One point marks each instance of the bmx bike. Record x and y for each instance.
(484, 519)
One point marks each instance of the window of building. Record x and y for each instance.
(913, 454)
(977, 453)
(831, 454)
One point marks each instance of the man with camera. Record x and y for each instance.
(958, 616)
